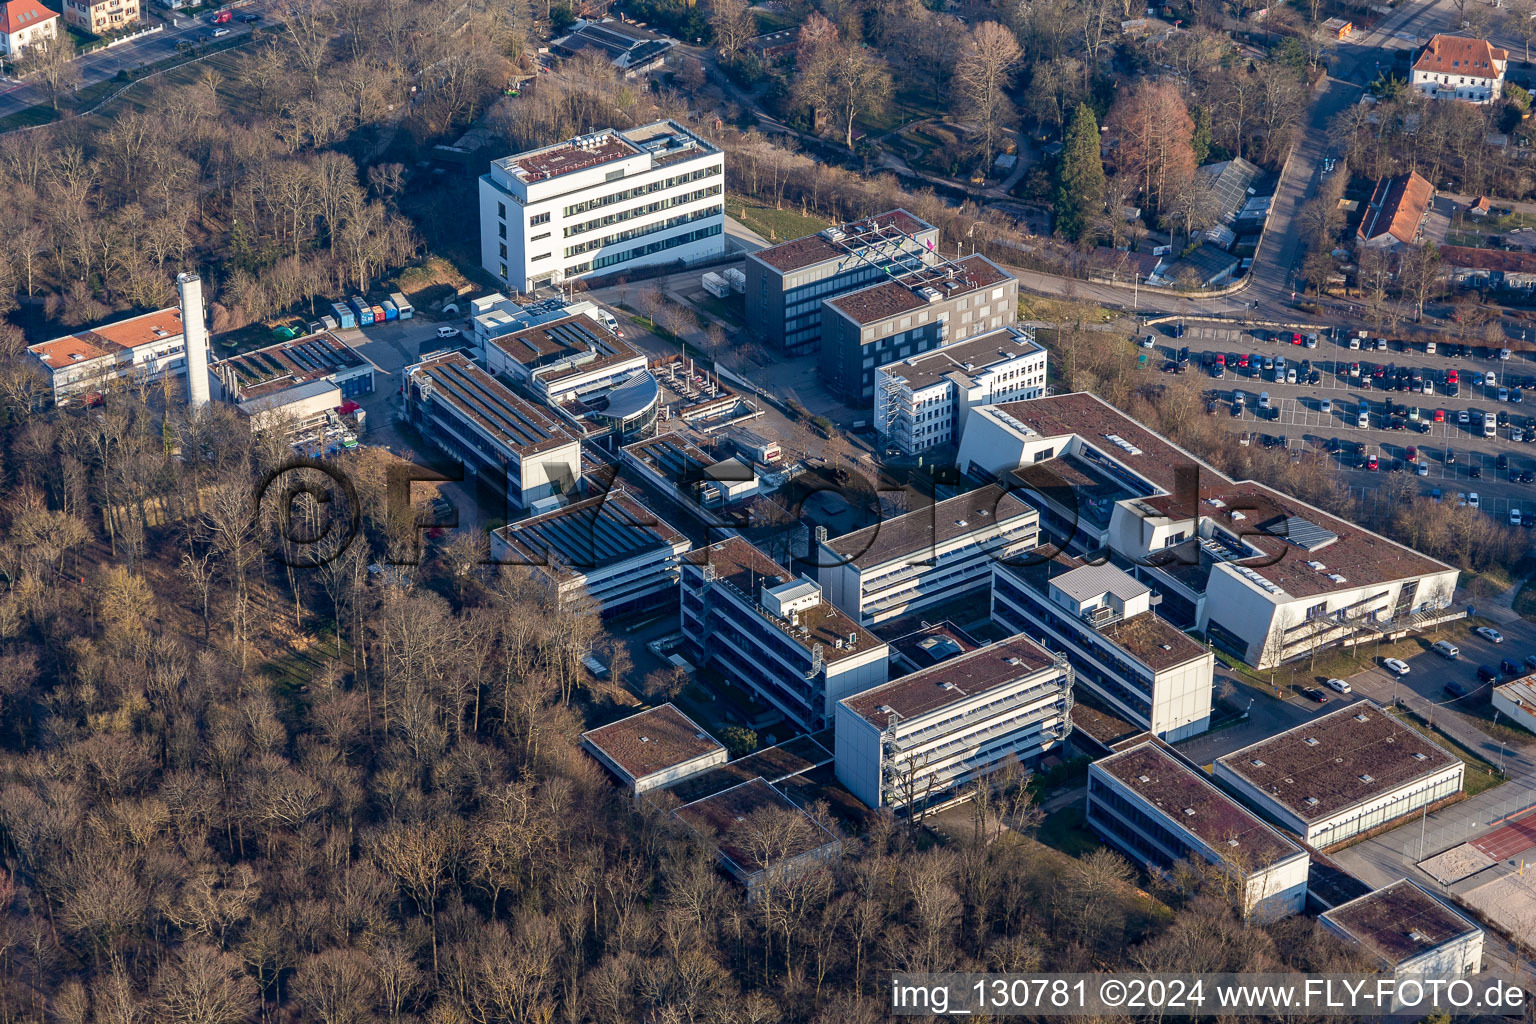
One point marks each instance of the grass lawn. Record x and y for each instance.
(1480, 775)
(774, 225)
(1067, 831)
(1062, 311)
(1525, 600)
(29, 118)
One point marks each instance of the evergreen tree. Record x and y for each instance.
(1201, 143)
(1080, 183)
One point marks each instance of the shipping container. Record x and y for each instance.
(737, 280)
(378, 314)
(716, 285)
(363, 310)
(406, 309)
(391, 311)
(345, 315)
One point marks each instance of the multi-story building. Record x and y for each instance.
(923, 401)
(296, 384)
(1342, 774)
(508, 441)
(786, 283)
(909, 315)
(25, 23)
(592, 377)
(610, 550)
(688, 475)
(927, 556)
(602, 203)
(746, 617)
(917, 741)
(1262, 575)
(1157, 810)
(1459, 68)
(1145, 669)
(139, 350)
(1408, 931)
(654, 749)
(100, 17)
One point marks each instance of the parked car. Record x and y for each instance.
(1455, 690)
(1509, 668)
(1339, 685)
(1486, 674)
(447, 332)
(1312, 693)
(1446, 650)
(1396, 666)
(220, 32)
(1490, 634)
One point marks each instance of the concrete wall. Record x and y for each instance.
(858, 756)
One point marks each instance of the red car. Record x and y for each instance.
(1243, 362)
(1451, 377)
(1221, 360)
(1295, 338)
(1439, 415)
(1371, 463)
(222, 18)
(1413, 454)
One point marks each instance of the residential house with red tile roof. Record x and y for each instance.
(1396, 212)
(1459, 68)
(25, 23)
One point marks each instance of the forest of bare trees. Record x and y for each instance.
(232, 791)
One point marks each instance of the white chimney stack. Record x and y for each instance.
(194, 329)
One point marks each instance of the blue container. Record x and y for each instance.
(364, 311)
(391, 311)
(344, 315)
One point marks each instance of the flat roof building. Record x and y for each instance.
(690, 476)
(1262, 575)
(1408, 931)
(1142, 666)
(596, 380)
(922, 402)
(786, 283)
(602, 203)
(750, 619)
(927, 556)
(919, 740)
(759, 835)
(517, 446)
(908, 315)
(138, 350)
(610, 550)
(1516, 701)
(654, 749)
(1157, 810)
(298, 383)
(1342, 775)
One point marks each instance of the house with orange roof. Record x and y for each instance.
(25, 23)
(1396, 212)
(1459, 68)
(140, 349)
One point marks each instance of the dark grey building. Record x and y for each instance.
(786, 283)
(909, 315)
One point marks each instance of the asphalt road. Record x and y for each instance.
(102, 65)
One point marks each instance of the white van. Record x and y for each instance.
(1446, 650)
(1490, 425)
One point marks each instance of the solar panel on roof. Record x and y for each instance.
(1304, 533)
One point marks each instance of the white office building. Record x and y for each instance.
(1343, 774)
(1263, 576)
(601, 204)
(1147, 670)
(924, 401)
(1408, 931)
(135, 351)
(508, 441)
(918, 740)
(1157, 810)
(927, 556)
(610, 550)
(770, 633)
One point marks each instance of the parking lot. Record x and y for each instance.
(1311, 416)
